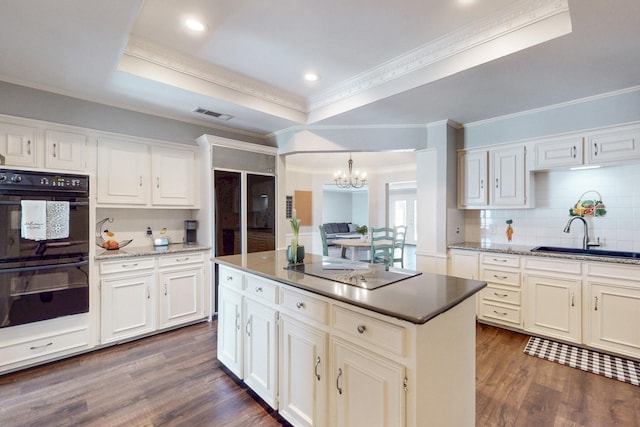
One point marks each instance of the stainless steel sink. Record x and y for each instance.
(592, 252)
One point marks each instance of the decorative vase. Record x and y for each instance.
(363, 238)
(299, 256)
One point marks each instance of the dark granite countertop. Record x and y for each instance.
(417, 299)
(526, 250)
(138, 251)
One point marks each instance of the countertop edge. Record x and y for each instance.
(136, 252)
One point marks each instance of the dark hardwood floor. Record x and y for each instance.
(174, 379)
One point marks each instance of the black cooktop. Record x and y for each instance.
(361, 274)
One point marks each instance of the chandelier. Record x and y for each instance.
(352, 180)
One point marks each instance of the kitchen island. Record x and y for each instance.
(324, 352)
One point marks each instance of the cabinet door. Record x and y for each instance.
(174, 177)
(260, 351)
(464, 264)
(553, 307)
(559, 152)
(122, 172)
(472, 171)
(303, 373)
(230, 342)
(507, 177)
(180, 296)
(614, 316)
(614, 146)
(127, 307)
(64, 150)
(18, 144)
(368, 390)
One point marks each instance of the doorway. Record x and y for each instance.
(403, 207)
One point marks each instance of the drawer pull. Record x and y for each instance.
(37, 347)
(230, 278)
(182, 259)
(499, 260)
(500, 295)
(361, 329)
(338, 381)
(259, 289)
(498, 313)
(316, 368)
(237, 320)
(246, 327)
(300, 304)
(129, 265)
(495, 276)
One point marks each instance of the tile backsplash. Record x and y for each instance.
(555, 193)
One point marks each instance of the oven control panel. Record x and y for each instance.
(47, 181)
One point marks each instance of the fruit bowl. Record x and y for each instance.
(110, 245)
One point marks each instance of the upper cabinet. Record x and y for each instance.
(493, 178)
(134, 173)
(610, 146)
(23, 146)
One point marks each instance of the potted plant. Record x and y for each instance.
(295, 253)
(363, 230)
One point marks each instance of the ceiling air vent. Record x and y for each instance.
(213, 113)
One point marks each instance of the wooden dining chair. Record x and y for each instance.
(323, 235)
(398, 245)
(382, 245)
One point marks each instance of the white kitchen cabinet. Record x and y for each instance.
(500, 302)
(559, 152)
(615, 145)
(181, 298)
(472, 178)
(173, 176)
(123, 172)
(128, 295)
(303, 373)
(18, 144)
(612, 308)
(463, 264)
(65, 150)
(507, 177)
(502, 181)
(369, 390)
(230, 330)
(133, 173)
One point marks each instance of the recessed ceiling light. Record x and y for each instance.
(311, 77)
(194, 24)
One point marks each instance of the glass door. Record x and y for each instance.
(260, 213)
(227, 215)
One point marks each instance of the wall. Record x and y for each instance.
(558, 191)
(337, 206)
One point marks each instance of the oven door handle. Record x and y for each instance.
(44, 267)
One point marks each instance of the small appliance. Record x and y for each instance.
(191, 231)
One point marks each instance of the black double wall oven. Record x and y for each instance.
(43, 276)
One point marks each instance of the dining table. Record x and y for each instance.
(356, 245)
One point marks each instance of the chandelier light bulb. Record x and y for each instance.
(352, 180)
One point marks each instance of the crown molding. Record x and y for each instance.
(521, 15)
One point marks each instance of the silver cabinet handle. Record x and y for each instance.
(575, 151)
(237, 320)
(157, 182)
(185, 260)
(361, 329)
(140, 180)
(29, 147)
(300, 304)
(498, 313)
(482, 184)
(54, 150)
(495, 276)
(499, 260)
(165, 289)
(36, 347)
(595, 307)
(148, 293)
(129, 265)
(497, 186)
(338, 381)
(500, 295)
(316, 368)
(573, 299)
(230, 278)
(595, 146)
(259, 289)
(246, 327)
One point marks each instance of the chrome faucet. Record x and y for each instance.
(585, 240)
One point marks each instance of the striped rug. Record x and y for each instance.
(587, 360)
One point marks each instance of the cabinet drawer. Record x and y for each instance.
(230, 277)
(499, 259)
(501, 294)
(504, 277)
(59, 342)
(304, 305)
(613, 271)
(262, 290)
(373, 331)
(553, 265)
(509, 315)
(126, 265)
(179, 259)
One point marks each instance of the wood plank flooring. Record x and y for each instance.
(174, 379)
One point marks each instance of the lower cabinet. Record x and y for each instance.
(230, 330)
(368, 389)
(260, 350)
(141, 295)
